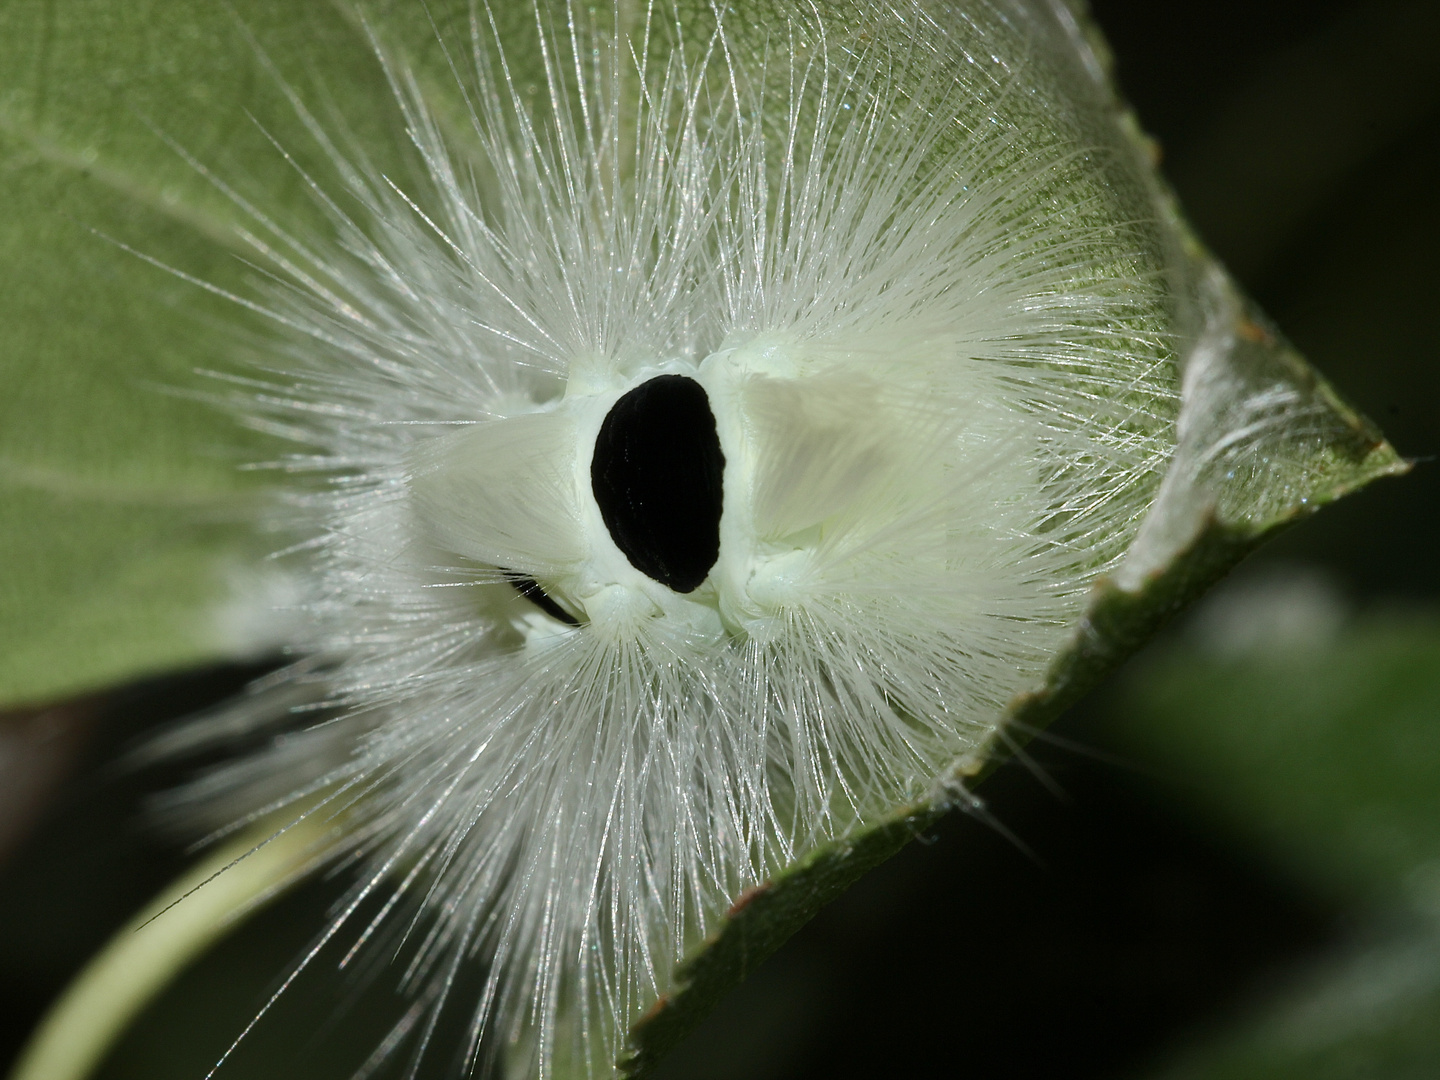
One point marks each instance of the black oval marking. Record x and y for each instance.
(658, 476)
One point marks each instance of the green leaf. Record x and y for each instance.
(123, 505)
(1262, 442)
(1120, 620)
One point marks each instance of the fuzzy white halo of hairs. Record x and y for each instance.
(691, 468)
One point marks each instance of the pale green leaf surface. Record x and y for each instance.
(99, 106)
(119, 579)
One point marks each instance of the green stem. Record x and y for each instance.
(144, 956)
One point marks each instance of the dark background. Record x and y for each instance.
(1088, 924)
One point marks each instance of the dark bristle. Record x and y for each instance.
(530, 589)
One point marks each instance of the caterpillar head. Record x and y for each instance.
(716, 495)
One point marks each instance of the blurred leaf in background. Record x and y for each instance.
(1314, 740)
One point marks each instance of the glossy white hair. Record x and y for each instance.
(917, 275)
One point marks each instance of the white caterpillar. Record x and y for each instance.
(705, 455)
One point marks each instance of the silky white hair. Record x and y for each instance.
(920, 277)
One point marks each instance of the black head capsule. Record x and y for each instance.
(658, 477)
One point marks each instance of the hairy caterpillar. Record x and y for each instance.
(691, 468)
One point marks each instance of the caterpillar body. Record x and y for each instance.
(694, 462)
